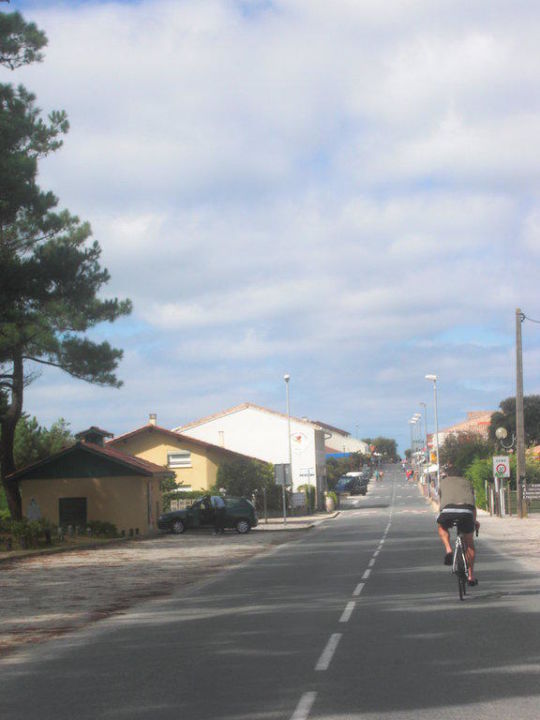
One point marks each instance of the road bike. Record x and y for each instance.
(460, 566)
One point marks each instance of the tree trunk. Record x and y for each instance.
(8, 423)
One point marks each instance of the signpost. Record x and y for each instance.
(531, 492)
(501, 470)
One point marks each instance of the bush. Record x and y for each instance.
(309, 492)
(479, 472)
(331, 494)
(100, 528)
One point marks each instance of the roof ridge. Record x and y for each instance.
(244, 406)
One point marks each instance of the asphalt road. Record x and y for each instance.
(357, 619)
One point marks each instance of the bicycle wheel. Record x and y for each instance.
(461, 573)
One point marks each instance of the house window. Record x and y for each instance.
(179, 459)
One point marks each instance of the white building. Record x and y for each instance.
(341, 441)
(262, 433)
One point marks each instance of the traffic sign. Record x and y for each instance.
(501, 466)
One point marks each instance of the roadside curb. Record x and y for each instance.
(277, 524)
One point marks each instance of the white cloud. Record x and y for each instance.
(321, 186)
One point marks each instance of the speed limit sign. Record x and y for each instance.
(501, 466)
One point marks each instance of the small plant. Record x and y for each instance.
(100, 528)
(331, 494)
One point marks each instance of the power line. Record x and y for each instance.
(525, 317)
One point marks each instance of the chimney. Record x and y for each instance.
(152, 419)
(221, 434)
(93, 435)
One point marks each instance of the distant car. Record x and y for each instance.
(239, 514)
(353, 483)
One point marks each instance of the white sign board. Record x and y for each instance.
(501, 466)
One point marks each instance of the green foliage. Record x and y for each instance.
(33, 442)
(461, 449)
(506, 418)
(20, 42)
(4, 512)
(336, 467)
(331, 494)
(167, 487)
(27, 533)
(309, 492)
(479, 472)
(50, 275)
(244, 477)
(386, 446)
(102, 528)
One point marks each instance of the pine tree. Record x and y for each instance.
(50, 274)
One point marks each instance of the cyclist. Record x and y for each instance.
(458, 507)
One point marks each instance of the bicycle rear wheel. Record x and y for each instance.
(461, 573)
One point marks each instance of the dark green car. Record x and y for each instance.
(239, 514)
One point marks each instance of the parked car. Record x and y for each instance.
(239, 514)
(353, 483)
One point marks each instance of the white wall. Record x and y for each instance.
(264, 435)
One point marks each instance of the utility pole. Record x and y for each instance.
(521, 482)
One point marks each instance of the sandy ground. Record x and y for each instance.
(49, 595)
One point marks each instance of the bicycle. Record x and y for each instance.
(460, 566)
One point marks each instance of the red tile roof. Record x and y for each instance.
(245, 406)
(171, 434)
(137, 464)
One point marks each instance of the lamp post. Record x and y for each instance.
(433, 379)
(418, 428)
(412, 423)
(287, 377)
(424, 406)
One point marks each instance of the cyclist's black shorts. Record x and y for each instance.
(462, 516)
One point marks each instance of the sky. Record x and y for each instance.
(345, 191)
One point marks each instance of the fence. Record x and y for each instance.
(533, 506)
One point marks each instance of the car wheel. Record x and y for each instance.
(243, 527)
(178, 527)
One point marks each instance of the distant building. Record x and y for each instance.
(478, 422)
(262, 433)
(340, 441)
(193, 462)
(88, 482)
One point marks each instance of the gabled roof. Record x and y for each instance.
(239, 408)
(127, 463)
(93, 430)
(325, 426)
(175, 436)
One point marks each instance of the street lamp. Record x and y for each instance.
(418, 428)
(433, 379)
(287, 377)
(501, 433)
(412, 423)
(424, 406)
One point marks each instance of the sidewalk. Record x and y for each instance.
(518, 538)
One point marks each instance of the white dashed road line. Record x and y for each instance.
(304, 706)
(366, 574)
(371, 563)
(328, 652)
(346, 616)
(358, 589)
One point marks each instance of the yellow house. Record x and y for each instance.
(194, 462)
(87, 482)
